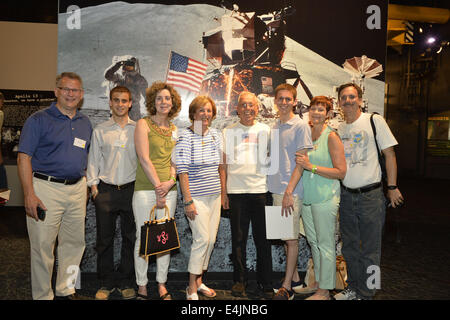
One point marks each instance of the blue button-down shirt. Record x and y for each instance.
(57, 144)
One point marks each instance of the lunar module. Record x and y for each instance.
(246, 52)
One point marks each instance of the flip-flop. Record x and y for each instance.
(140, 296)
(193, 296)
(203, 289)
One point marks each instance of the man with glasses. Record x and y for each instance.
(244, 190)
(52, 161)
(362, 208)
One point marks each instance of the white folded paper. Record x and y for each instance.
(5, 194)
(277, 226)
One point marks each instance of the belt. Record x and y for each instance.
(53, 179)
(121, 187)
(364, 189)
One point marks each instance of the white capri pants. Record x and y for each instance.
(143, 202)
(204, 231)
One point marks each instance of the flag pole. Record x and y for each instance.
(168, 64)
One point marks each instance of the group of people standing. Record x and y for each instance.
(132, 167)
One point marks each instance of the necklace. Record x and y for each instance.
(162, 131)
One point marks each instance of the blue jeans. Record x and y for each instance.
(361, 220)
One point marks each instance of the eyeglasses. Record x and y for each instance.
(67, 90)
(350, 97)
(246, 104)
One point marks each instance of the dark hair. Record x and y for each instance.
(199, 102)
(70, 75)
(325, 101)
(152, 92)
(288, 87)
(2, 97)
(120, 89)
(350, 84)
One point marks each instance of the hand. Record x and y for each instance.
(191, 211)
(303, 160)
(395, 197)
(94, 192)
(160, 202)
(287, 206)
(225, 201)
(163, 188)
(31, 203)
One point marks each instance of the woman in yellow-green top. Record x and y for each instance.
(155, 137)
(323, 167)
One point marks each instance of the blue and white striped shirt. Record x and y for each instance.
(200, 156)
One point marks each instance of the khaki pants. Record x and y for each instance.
(65, 221)
(297, 214)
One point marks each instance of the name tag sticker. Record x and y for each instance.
(120, 144)
(80, 143)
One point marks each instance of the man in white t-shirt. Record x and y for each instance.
(244, 191)
(362, 208)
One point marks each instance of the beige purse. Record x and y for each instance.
(341, 273)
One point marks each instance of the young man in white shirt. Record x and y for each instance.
(111, 174)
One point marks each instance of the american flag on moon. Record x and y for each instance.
(185, 72)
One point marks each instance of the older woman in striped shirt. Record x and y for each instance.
(197, 155)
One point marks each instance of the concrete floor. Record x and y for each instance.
(415, 255)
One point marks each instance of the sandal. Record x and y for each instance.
(193, 296)
(317, 296)
(207, 292)
(140, 296)
(166, 296)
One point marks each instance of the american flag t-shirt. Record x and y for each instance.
(185, 72)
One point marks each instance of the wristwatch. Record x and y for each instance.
(392, 187)
(188, 203)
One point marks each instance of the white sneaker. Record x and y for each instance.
(346, 294)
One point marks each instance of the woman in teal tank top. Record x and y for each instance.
(155, 138)
(323, 166)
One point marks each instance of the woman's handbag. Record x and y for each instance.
(159, 236)
(341, 273)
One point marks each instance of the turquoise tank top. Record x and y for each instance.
(318, 189)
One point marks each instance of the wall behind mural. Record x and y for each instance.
(247, 45)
